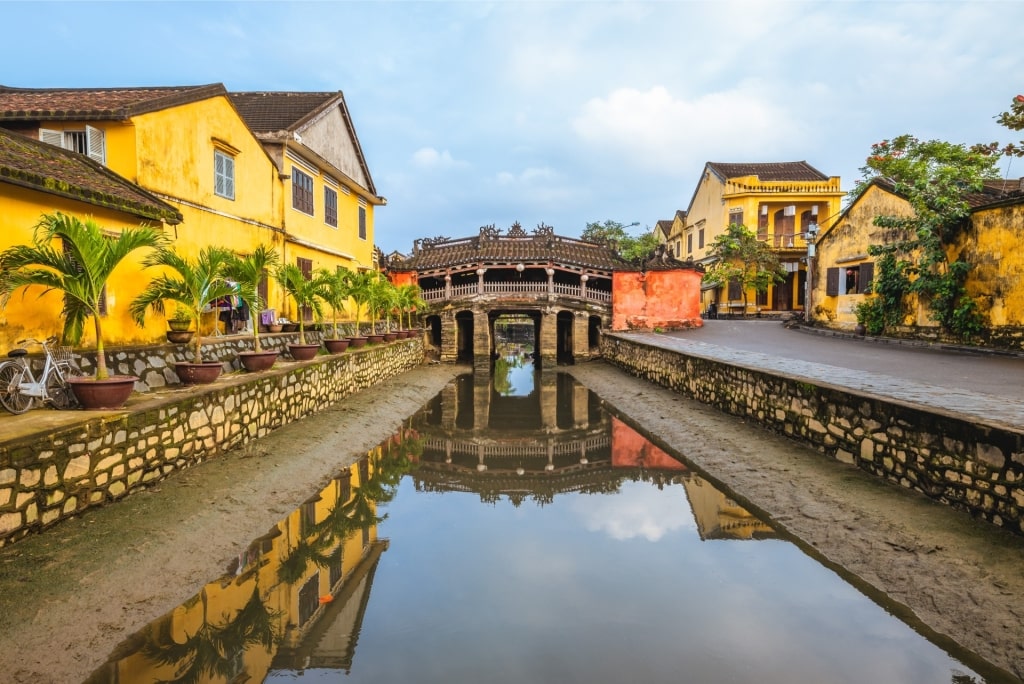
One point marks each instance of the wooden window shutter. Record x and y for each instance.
(96, 145)
(832, 282)
(735, 290)
(362, 223)
(51, 137)
(867, 275)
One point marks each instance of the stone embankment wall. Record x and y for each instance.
(964, 463)
(49, 476)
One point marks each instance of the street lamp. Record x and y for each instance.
(809, 236)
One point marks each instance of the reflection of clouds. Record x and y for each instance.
(638, 510)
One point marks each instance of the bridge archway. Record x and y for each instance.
(593, 333)
(464, 337)
(564, 335)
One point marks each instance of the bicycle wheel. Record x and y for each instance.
(59, 391)
(11, 397)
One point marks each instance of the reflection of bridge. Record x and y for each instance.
(563, 285)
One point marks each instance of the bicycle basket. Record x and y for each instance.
(63, 354)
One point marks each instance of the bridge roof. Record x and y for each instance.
(491, 247)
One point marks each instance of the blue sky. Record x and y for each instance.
(472, 113)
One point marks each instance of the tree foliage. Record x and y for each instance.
(613, 233)
(742, 258)
(76, 258)
(936, 178)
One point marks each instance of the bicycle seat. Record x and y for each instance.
(15, 353)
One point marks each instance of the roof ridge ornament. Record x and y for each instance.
(516, 231)
(543, 230)
(489, 232)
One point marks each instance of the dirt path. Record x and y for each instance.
(70, 596)
(962, 579)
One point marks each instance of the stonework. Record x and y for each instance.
(50, 476)
(967, 464)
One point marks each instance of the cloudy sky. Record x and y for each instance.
(473, 113)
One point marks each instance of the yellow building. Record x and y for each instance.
(780, 202)
(329, 195)
(843, 269)
(35, 178)
(289, 174)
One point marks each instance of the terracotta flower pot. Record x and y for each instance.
(254, 361)
(374, 339)
(198, 373)
(357, 342)
(290, 327)
(303, 352)
(111, 393)
(179, 336)
(274, 327)
(390, 336)
(179, 326)
(336, 346)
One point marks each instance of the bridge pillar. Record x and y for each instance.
(580, 336)
(449, 337)
(547, 344)
(481, 400)
(481, 342)
(580, 406)
(548, 380)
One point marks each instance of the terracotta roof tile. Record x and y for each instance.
(32, 164)
(267, 112)
(93, 104)
(772, 171)
(490, 248)
(1008, 190)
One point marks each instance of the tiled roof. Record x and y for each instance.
(772, 171)
(665, 226)
(32, 164)
(491, 248)
(268, 112)
(1008, 190)
(94, 104)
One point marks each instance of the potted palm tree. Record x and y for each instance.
(337, 289)
(306, 293)
(409, 300)
(79, 268)
(376, 300)
(179, 327)
(247, 272)
(361, 285)
(193, 284)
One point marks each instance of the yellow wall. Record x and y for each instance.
(846, 245)
(993, 246)
(26, 315)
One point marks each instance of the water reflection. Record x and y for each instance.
(598, 557)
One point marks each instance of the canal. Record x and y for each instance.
(521, 531)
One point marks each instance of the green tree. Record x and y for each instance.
(307, 293)
(248, 272)
(936, 178)
(409, 300)
(629, 247)
(78, 266)
(336, 291)
(741, 258)
(192, 283)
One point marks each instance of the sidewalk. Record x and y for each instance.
(975, 383)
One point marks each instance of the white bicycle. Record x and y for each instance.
(19, 389)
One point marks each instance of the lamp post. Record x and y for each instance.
(809, 236)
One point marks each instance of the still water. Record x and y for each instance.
(518, 532)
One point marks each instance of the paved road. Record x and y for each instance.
(984, 385)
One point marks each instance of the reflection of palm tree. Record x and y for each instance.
(310, 550)
(210, 652)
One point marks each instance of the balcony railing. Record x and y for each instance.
(516, 287)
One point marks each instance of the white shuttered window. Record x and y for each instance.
(223, 175)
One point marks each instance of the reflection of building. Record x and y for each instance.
(718, 516)
(294, 598)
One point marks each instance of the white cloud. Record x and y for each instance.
(655, 130)
(429, 158)
(638, 510)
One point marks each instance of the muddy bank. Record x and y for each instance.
(69, 596)
(962, 579)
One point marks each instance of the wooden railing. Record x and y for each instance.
(516, 287)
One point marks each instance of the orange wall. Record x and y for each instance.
(656, 299)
